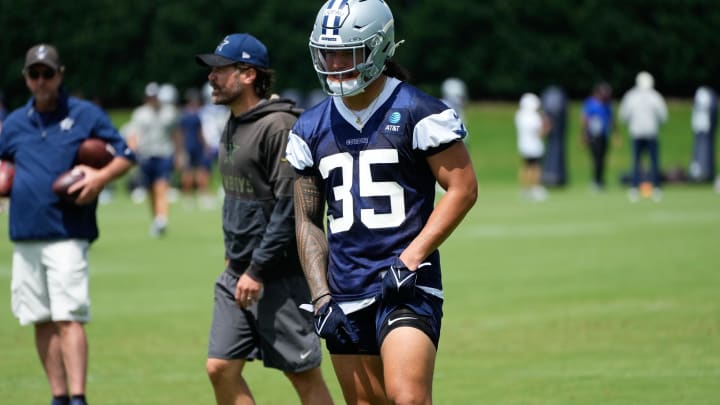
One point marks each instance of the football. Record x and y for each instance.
(95, 153)
(64, 181)
(7, 174)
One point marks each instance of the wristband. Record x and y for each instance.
(320, 297)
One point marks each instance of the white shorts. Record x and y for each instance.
(50, 281)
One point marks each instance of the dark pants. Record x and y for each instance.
(598, 150)
(650, 147)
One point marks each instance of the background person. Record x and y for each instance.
(168, 97)
(256, 313)
(371, 154)
(703, 122)
(643, 109)
(531, 126)
(155, 140)
(51, 238)
(596, 125)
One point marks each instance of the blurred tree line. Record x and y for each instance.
(501, 48)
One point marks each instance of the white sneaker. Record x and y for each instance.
(158, 228)
(633, 195)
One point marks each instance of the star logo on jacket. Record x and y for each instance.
(67, 124)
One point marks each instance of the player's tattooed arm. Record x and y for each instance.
(312, 243)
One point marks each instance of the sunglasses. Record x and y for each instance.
(46, 74)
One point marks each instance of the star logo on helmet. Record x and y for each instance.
(338, 12)
(335, 14)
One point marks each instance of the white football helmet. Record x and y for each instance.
(364, 27)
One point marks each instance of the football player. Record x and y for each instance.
(371, 153)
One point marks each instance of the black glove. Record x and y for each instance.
(331, 323)
(398, 284)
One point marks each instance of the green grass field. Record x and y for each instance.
(583, 299)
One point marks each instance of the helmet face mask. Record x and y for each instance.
(363, 29)
(339, 67)
(338, 63)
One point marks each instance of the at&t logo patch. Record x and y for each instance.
(395, 117)
(394, 123)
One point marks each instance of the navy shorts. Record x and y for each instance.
(156, 168)
(424, 312)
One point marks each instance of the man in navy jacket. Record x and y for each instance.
(51, 237)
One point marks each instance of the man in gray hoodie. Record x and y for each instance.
(257, 297)
(644, 111)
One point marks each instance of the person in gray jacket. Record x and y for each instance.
(644, 111)
(257, 297)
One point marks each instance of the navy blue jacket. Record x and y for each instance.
(42, 146)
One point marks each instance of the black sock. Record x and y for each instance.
(77, 400)
(60, 400)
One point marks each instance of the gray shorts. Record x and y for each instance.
(274, 329)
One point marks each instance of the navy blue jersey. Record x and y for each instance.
(378, 186)
(43, 146)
